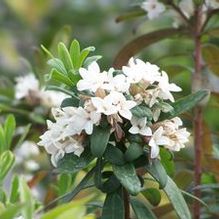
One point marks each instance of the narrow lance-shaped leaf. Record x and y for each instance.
(177, 200)
(99, 140)
(113, 207)
(9, 129)
(6, 162)
(84, 53)
(184, 104)
(156, 169)
(127, 176)
(141, 210)
(75, 52)
(58, 65)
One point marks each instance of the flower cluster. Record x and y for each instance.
(112, 96)
(28, 87)
(154, 8)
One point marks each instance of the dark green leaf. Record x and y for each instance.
(142, 111)
(113, 207)
(99, 140)
(167, 161)
(114, 155)
(156, 170)
(141, 210)
(70, 102)
(186, 103)
(152, 195)
(177, 200)
(98, 174)
(133, 152)
(71, 163)
(111, 184)
(126, 174)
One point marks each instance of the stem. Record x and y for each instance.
(198, 112)
(126, 203)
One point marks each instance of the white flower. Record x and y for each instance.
(25, 151)
(139, 126)
(25, 85)
(133, 71)
(92, 78)
(114, 103)
(116, 83)
(32, 165)
(153, 8)
(165, 88)
(169, 135)
(138, 70)
(187, 7)
(157, 139)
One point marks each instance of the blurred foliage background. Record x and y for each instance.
(26, 24)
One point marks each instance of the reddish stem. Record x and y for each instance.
(198, 117)
(126, 204)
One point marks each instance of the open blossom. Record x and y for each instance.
(153, 8)
(139, 126)
(169, 135)
(114, 103)
(28, 87)
(166, 88)
(92, 78)
(25, 85)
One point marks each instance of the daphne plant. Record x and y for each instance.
(118, 124)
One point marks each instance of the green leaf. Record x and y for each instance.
(70, 102)
(47, 51)
(152, 195)
(126, 174)
(84, 53)
(133, 152)
(111, 184)
(2, 140)
(156, 170)
(75, 54)
(99, 140)
(186, 103)
(177, 200)
(141, 111)
(113, 207)
(6, 162)
(26, 197)
(141, 210)
(135, 46)
(114, 155)
(71, 163)
(14, 194)
(64, 183)
(91, 59)
(58, 65)
(65, 56)
(9, 129)
(61, 78)
(167, 161)
(11, 211)
(210, 55)
(98, 174)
